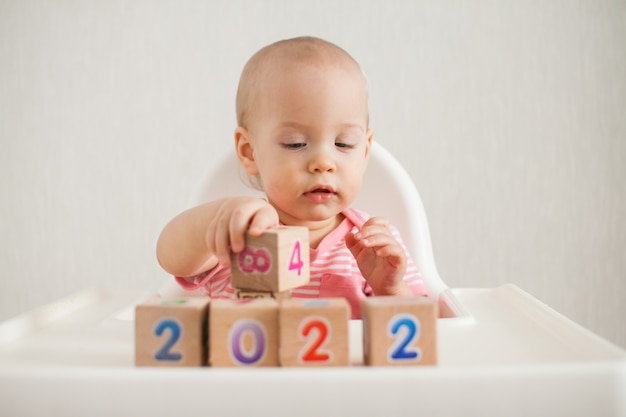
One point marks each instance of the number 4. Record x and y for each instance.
(295, 260)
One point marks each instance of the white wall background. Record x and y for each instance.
(509, 115)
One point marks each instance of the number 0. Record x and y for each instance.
(236, 335)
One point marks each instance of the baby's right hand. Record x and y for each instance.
(233, 218)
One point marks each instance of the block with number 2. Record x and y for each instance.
(314, 332)
(399, 331)
(276, 261)
(171, 332)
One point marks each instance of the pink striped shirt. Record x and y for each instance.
(333, 270)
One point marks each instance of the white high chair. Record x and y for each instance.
(387, 191)
(497, 344)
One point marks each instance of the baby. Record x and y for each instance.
(304, 139)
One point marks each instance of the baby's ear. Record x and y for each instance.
(245, 151)
(369, 140)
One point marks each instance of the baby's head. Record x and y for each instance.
(271, 62)
(303, 134)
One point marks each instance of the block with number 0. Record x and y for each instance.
(314, 332)
(399, 331)
(171, 332)
(276, 261)
(243, 333)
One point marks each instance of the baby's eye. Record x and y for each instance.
(343, 145)
(294, 145)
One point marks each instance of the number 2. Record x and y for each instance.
(295, 260)
(313, 350)
(401, 349)
(165, 354)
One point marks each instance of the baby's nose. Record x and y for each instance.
(322, 162)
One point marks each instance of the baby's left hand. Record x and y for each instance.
(380, 257)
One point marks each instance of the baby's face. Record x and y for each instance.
(309, 130)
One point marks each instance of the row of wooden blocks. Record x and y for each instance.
(285, 332)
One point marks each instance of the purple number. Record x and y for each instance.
(236, 336)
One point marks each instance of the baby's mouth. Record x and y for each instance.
(321, 189)
(320, 193)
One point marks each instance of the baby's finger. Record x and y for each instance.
(236, 230)
(391, 255)
(351, 240)
(372, 230)
(263, 219)
(240, 220)
(376, 221)
(222, 242)
(391, 250)
(378, 240)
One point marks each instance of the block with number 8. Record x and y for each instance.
(276, 261)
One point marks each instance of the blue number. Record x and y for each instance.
(401, 350)
(164, 353)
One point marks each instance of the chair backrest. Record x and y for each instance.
(387, 191)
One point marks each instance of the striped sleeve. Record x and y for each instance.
(216, 282)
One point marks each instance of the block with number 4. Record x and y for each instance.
(171, 332)
(399, 331)
(276, 261)
(243, 333)
(314, 332)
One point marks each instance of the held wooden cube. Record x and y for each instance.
(399, 331)
(243, 332)
(314, 332)
(171, 332)
(276, 261)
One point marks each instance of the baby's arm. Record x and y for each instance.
(202, 237)
(381, 258)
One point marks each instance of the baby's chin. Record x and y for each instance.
(308, 219)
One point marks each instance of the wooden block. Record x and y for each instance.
(399, 331)
(171, 332)
(276, 261)
(314, 332)
(243, 332)
(245, 294)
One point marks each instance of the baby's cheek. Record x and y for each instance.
(274, 187)
(352, 187)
